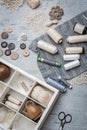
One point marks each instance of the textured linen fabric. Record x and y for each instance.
(66, 29)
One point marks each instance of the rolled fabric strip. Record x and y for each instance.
(71, 57)
(14, 100)
(79, 28)
(12, 105)
(53, 82)
(47, 47)
(72, 65)
(74, 50)
(55, 35)
(77, 39)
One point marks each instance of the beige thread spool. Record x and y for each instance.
(55, 35)
(72, 64)
(74, 50)
(47, 47)
(77, 39)
(79, 28)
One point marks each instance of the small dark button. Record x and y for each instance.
(11, 46)
(4, 35)
(4, 44)
(22, 46)
(7, 52)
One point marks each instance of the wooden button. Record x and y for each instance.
(26, 53)
(14, 55)
(1, 53)
(7, 52)
(9, 29)
(22, 46)
(4, 35)
(4, 44)
(11, 46)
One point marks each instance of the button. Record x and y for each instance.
(11, 46)
(7, 52)
(24, 37)
(26, 53)
(4, 35)
(22, 46)
(14, 55)
(4, 44)
(9, 29)
(1, 53)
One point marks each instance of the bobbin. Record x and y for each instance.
(47, 47)
(72, 64)
(79, 28)
(74, 50)
(55, 35)
(71, 57)
(77, 39)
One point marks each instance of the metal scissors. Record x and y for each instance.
(64, 118)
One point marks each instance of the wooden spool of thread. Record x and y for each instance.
(77, 39)
(47, 47)
(79, 28)
(55, 35)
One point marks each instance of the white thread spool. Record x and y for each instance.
(72, 65)
(77, 39)
(79, 28)
(74, 50)
(47, 47)
(55, 35)
(71, 57)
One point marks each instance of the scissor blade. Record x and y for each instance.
(60, 128)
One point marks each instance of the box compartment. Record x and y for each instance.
(35, 110)
(6, 116)
(12, 99)
(21, 123)
(41, 94)
(21, 83)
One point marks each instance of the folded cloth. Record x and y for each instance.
(66, 29)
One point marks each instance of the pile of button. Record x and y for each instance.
(11, 46)
(56, 13)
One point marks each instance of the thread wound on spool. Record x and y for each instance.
(79, 28)
(74, 50)
(55, 35)
(47, 47)
(71, 64)
(77, 39)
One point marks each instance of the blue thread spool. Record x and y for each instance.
(53, 82)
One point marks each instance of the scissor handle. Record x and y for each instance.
(68, 118)
(61, 116)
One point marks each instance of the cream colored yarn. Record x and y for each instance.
(41, 94)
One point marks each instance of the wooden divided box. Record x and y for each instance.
(25, 101)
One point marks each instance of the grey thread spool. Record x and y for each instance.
(55, 35)
(64, 82)
(77, 39)
(74, 50)
(71, 64)
(47, 47)
(79, 28)
(53, 82)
